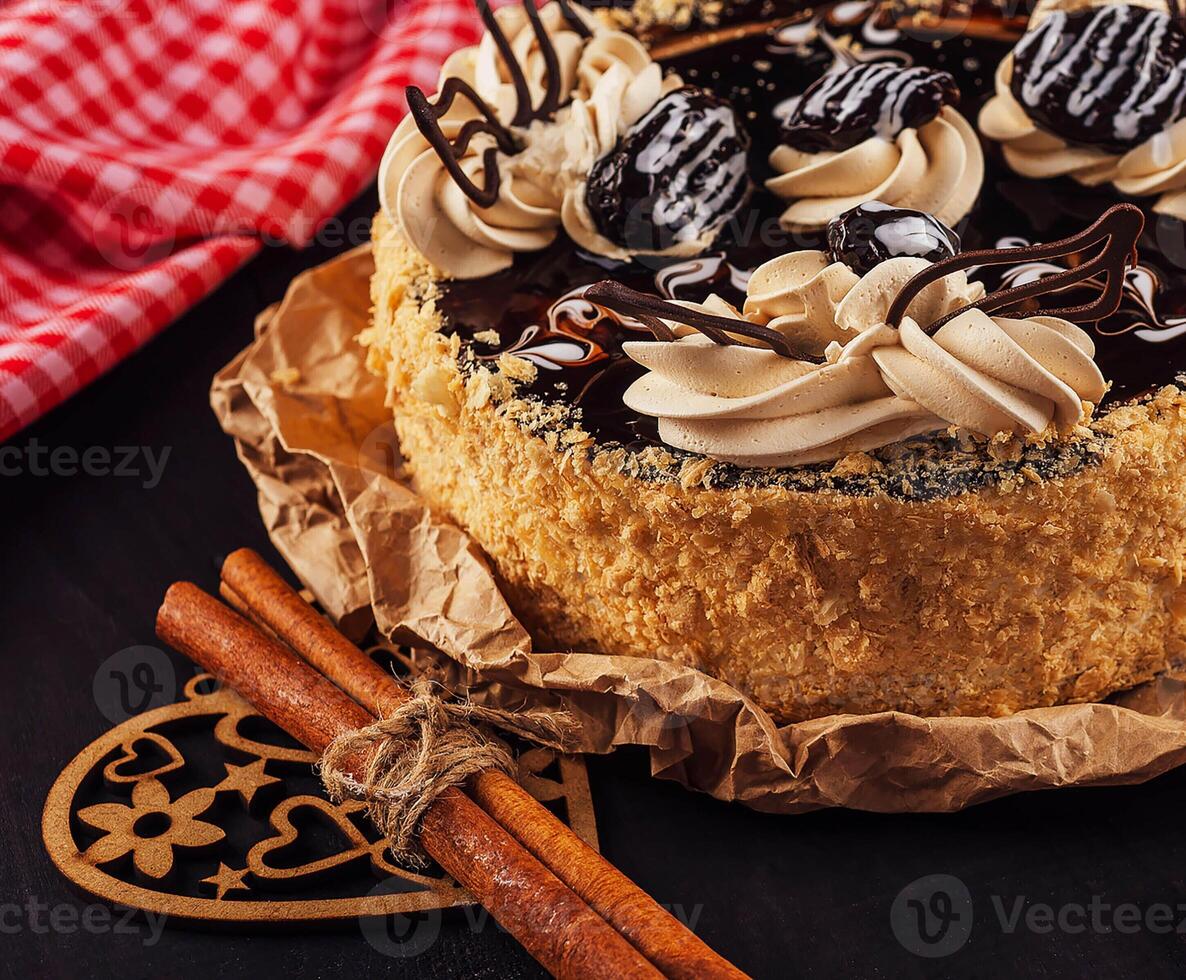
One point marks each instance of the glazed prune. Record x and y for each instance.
(870, 233)
(847, 107)
(1109, 76)
(676, 174)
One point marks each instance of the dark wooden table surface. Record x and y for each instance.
(1053, 884)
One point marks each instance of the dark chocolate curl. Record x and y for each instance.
(574, 19)
(1118, 228)
(427, 116)
(525, 112)
(651, 311)
(514, 69)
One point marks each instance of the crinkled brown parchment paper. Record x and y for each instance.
(310, 426)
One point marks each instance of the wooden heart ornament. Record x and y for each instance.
(204, 810)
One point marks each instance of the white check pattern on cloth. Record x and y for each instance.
(147, 147)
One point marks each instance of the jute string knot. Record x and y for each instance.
(421, 749)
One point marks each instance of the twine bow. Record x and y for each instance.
(424, 747)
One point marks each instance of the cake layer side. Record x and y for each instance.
(1051, 591)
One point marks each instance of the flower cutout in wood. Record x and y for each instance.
(151, 827)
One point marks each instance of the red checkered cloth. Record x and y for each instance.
(149, 147)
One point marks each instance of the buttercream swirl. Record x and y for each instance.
(877, 385)
(612, 81)
(937, 168)
(1156, 166)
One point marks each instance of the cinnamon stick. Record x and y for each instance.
(249, 582)
(555, 926)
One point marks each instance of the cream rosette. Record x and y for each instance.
(878, 385)
(751, 407)
(560, 152)
(1156, 166)
(613, 82)
(991, 374)
(937, 168)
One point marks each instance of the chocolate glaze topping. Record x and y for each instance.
(537, 311)
(855, 103)
(871, 233)
(1110, 76)
(678, 172)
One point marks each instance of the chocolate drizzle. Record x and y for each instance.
(651, 311)
(1118, 228)
(427, 118)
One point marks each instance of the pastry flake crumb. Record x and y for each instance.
(517, 368)
(432, 385)
(1005, 447)
(645, 15)
(477, 390)
(694, 471)
(856, 464)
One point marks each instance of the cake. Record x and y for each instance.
(739, 349)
